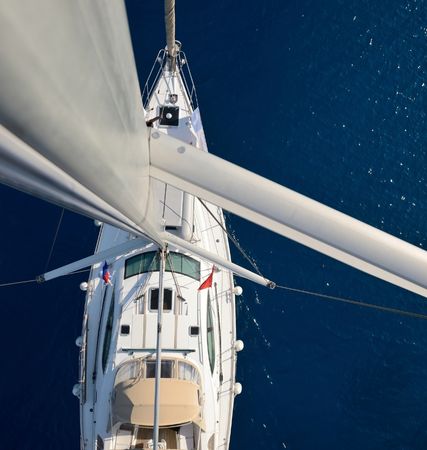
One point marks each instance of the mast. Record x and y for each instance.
(158, 350)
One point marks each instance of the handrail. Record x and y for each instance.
(221, 375)
(153, 350)
(184, 69)
(82, 361)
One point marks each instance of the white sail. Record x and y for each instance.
(25, 169)
(74, 133)
(288, 213)
(69, 90)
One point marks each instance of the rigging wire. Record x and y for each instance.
(290, 289)
(232, 239)
(254, 266)
(36, 280)
(178, 289)
(78, 271)
(354, 302)
(305, 292)
(314, 294)
(54, 240)
(13, 283)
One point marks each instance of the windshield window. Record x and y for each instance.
(187, 372)
(170, 368)
(130, 371)
(150, 262)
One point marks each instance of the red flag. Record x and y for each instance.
(208, 282)
(106, 276)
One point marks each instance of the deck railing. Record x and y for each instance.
(160, 66)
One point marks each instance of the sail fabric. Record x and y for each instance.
(288, 213)
(69, 90)
(73, 132)
(23, 168)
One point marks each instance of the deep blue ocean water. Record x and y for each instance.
(328, 98)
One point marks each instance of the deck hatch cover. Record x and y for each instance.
(169, 116)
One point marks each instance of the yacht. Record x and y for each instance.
(198, 347)
(158, 347)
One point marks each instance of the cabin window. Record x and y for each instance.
(150, 262)
(166, 369)
(210, 335)
(167, 299)
(108, 334)
(194, 331)
(150, 369)
(129, 371)
(187, 372)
